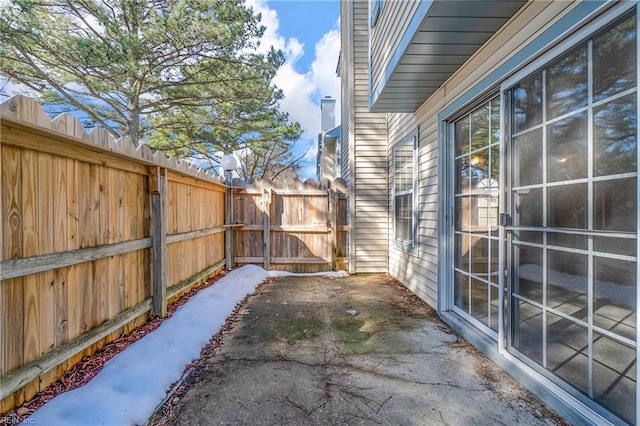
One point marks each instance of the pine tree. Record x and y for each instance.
(181, 75)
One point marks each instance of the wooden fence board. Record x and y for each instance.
(104, 207)
(12, 202)
(60, 217)
(127, 281)
(29, 168)
(73, 292)
(31, 319)
(112, 199)
(13, 317)
(45, 184)
(61, 319)
(47, 314)
(73, 212)
(30, 325)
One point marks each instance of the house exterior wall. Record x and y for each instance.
(327, 162)
(419, 271)
(365, 137)
(346, 87)
(537, 28)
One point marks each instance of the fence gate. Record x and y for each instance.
(290, 225)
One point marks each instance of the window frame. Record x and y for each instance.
(470, 109)
(409, 246)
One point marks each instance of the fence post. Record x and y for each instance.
(228, 213)
(333, 217)
(157, 187)
(266, 235)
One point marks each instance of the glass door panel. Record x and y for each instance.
(572, 145)
(476, 186)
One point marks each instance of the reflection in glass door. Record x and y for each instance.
(477, 162)
(573, 150)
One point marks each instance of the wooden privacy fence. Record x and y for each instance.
(290, 225)
(87, 248)
(97, 235)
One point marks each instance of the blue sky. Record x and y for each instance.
(308, 33)
(306, 20)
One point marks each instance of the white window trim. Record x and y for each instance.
(412, 246)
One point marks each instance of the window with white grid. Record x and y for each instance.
(404, 193)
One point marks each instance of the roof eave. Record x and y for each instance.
(436, 43)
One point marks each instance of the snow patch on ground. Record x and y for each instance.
(133, 383)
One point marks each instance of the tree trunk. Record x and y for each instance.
(134, 125)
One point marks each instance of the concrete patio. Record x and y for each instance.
(359, 350)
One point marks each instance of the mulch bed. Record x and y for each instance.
(81, 373)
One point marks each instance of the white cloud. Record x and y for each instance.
(303, 91)
(10, 87)
(323, 68)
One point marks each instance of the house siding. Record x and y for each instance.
(419, 271)
(346, 85)
(537, 31)
(367, 151)
(394, 18)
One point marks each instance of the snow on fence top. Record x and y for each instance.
(24, 110)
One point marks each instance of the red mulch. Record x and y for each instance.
(81, 373)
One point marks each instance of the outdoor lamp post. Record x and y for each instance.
(229, 164)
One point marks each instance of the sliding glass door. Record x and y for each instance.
(545, 213)
(572, 174)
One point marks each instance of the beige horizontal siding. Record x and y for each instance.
(419, 272)
(416, 277)
(346, 84)
(369, 202)
(386, 35)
